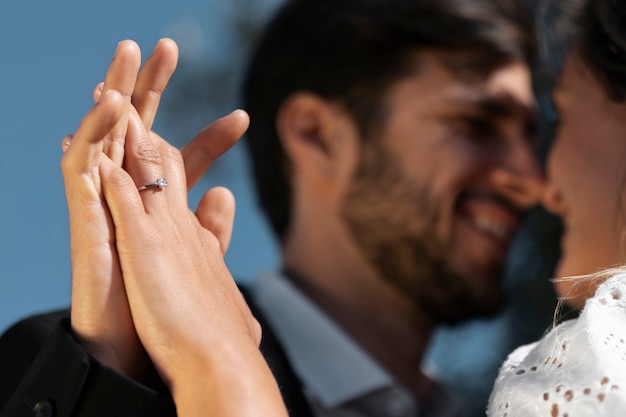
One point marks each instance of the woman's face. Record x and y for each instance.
(586, 172)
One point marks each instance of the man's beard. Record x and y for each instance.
(392, 220)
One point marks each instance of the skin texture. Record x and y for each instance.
(465, 145)
(97, 286)
(199, 333)
(456, 181)
(586, 179)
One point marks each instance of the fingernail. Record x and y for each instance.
(67, 141)
(97, 92)
(117, 48)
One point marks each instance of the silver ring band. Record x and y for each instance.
(159, 183)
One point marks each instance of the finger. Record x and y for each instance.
(66, 142)
(97, 92)
(212, 142)
(174, 169)
(124, 203)
(84, 150)
(216, 213)
(143, 163)
(153, 79)
(121, 76)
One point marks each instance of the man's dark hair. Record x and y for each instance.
(601, 43)
(351, 52)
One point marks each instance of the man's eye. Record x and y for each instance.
(531, 130)
(478, 124)
(478, 128)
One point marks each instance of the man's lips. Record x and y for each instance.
(491, 215)
(492, 226)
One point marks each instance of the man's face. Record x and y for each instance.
(439, 195)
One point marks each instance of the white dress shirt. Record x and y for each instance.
(340, 379)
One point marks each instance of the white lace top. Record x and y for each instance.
(577, 369)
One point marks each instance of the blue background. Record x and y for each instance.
(54, 53)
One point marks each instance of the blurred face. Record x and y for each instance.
(439, 195)
(586, 174)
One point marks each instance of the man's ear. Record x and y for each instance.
(317, 136)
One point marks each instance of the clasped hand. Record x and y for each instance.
(149, 282)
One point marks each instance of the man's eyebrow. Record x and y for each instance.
(499, 106)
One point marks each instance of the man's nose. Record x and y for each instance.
(551, 199)
(520, 177)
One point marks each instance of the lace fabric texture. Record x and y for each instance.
(578, 369)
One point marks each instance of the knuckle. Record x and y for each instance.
(213, 243)
(155, 93)
(118, 139)
(172, 153)
(146, 152)
(119, 178)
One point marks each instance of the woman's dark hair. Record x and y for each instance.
(601, 44)
(351, 52)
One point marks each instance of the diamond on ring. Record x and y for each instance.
(159, 183)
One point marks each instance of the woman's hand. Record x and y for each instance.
(176, 296)
(187, 310)
(100, 314)
(101, 318)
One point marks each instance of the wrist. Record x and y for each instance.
(132, 362)
(226, 382)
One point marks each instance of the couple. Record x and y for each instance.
(431, 123)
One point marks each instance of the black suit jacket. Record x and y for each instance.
(44, 372)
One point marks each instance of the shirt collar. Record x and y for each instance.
(333, 368)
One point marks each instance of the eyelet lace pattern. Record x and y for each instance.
(578, 369)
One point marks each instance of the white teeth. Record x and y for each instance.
(488, 225)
